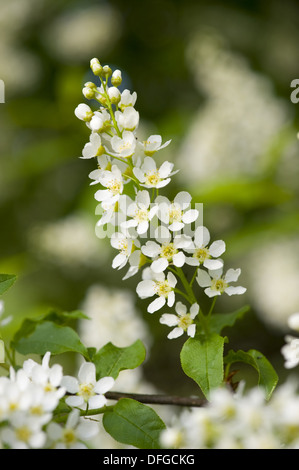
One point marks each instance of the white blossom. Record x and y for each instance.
(183, 321)
(125, 245)
(100, 121)
(157, 284)
(75, 432)
(153, 144)
(86, 390)
(94, 147)
(127, 99)
(152, 177)
(216, 284)
(42, 374)
(290, 352)
(23, 433)
(167, 251)
(177, 213)
(201, 254)
(113, 181)
(140, 212)
(124, 146)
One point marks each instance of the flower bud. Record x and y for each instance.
(83, 112)
(107, 72)
(116, 78)
(114, 95)
(90, 85)
(96, 67)
(88, 93)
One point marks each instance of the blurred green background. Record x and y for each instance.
(212, 76)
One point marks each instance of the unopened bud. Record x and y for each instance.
(88, 93)
(107, 72)
(90, 85)
(83, 112)
(96, 67)
(114, 95)
(116, 78)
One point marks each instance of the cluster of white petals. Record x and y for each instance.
(30, 395)
(290, 350)
(241, 420)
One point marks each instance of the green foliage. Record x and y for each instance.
(218, 321)
(202, 361)
(267, 377)
(6, 281)
(134, 423)
(49, 336)
(110, 359)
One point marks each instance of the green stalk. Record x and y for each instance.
(109, 106)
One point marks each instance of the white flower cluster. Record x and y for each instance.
(238, 421)
(147, 228)
(290, 350)
(29, 399)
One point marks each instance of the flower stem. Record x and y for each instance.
(109, 106)
(186, 285)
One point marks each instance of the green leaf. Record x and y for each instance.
(133, 423)
(64, 318)
(6, 281)
(219, 321)
(110, 359)
(48, 336)
(202, 361)
(267, 377)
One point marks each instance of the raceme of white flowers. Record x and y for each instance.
(152, 234)
(30, 395)
(241, 420)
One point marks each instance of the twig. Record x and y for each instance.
(158, 399)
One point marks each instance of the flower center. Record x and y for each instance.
(86, 391)
(201, 254)
(141, 215)
(114, 186)
(175, 214)
(168, 251)
(49, 388)
(68, 437)
(219, 284)
(13, 406)
(185, 321)
(23, 433)
(163, 288)
(36, 410)
(123, 246)
(152, 179)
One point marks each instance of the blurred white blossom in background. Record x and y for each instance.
(80, 33)
(238, 421)
(273, 278)
(239, 119)
(14, 16)
(69, 242)
(114, 317)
